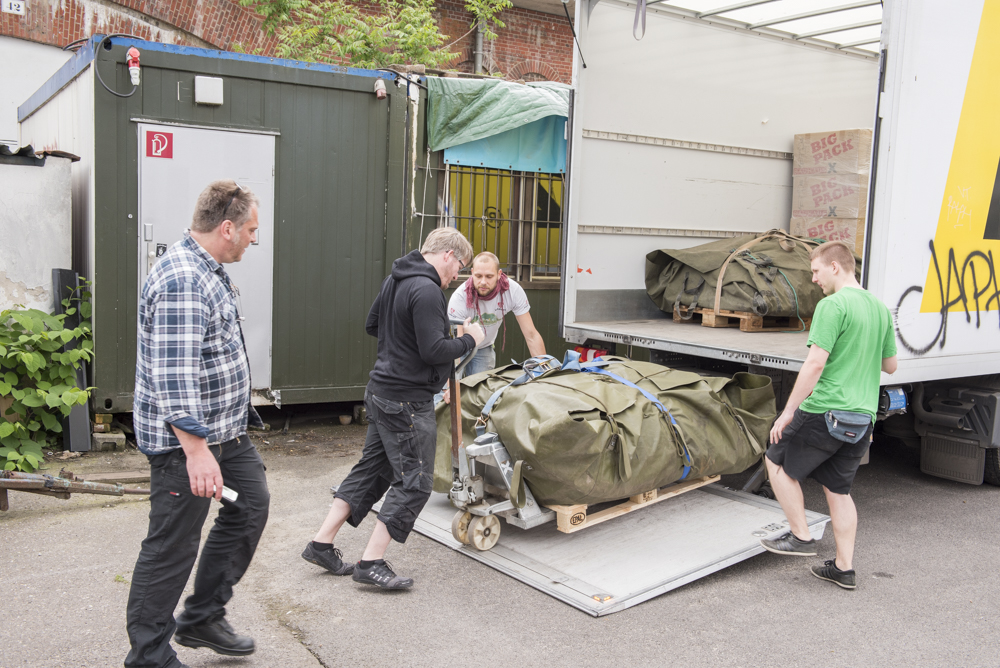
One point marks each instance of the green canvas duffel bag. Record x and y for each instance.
(767, 274)
(586, 436)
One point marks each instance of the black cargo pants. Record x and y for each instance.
(399, 457)
(176, 517)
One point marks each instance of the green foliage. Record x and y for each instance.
(39, 377)
(485, 12)
(335, 31)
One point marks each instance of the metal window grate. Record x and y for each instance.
(518, 216)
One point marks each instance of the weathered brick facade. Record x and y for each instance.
(534, 46)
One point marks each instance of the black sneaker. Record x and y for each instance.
(331, 560)
(829, 571)
(787, 543)
(218, 636)
(380, 574)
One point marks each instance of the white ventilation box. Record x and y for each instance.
(208, 90)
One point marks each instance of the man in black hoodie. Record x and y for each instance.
(410, 319)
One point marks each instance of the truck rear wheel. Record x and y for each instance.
(991, 474)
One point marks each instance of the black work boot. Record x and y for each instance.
(380, 574)
(217, 635)
(331, 560)
(788, 543)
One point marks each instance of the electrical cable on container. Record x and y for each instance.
(399, 74)
(97, 70)
(75, 43)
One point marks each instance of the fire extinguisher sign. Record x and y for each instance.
(159, 144)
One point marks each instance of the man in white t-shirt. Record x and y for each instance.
(486, 297)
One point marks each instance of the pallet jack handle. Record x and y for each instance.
(453, 387)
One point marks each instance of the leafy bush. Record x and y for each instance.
(39, 377)
(374, 34)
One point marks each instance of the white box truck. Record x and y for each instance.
(685, 136)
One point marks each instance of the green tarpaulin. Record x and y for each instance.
(770, 276)
(587, 437)
(464, 110)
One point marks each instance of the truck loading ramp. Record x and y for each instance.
(617, 564)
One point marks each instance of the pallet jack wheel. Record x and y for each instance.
(460, 526)
(484, 532)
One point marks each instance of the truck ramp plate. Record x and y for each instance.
(633, 558)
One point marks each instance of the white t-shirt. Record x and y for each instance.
(513, 300)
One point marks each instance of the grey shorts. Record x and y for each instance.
(398, 457)
(807, 450)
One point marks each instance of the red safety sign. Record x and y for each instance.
(159, 144)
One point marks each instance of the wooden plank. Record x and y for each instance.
(745, 320)
(570, 519)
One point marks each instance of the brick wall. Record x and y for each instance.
(533, 46)
(214, 24)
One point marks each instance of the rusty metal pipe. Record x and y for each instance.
(17, 480)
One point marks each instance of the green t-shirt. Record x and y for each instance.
(856, 329)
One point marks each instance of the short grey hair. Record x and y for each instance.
(444, 239)
(223, 200)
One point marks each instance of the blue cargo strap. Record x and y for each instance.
(533, 368)
(652, 398)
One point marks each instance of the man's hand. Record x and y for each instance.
(779, 425)
(447, 394)
(203, 471)
(475, 330)
(204, 474)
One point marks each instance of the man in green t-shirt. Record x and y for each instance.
(851, 342)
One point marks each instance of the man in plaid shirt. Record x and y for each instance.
(192, 407)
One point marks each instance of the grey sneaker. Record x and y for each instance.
(829, 571)
(380, 574)
(787, 543)
(331, 560)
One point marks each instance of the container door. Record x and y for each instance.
(175, 165)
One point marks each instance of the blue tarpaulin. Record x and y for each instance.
(499, 124)
(539, 146)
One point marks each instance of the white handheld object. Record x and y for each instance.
(228, 494)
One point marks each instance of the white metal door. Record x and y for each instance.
(175, 165)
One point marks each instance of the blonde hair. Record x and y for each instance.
(444, 239)
(835, 251)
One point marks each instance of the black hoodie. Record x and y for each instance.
(410, 320)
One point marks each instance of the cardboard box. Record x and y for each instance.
(849, 230)
(841, 152)
(830, 196)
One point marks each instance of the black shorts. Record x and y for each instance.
(806, 450)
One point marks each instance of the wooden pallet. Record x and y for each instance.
(574, 518)
(747, 322)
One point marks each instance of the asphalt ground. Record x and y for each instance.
(927, 561)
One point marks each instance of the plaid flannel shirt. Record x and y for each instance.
(192, 369)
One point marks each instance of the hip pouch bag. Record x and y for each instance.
(847, 426)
